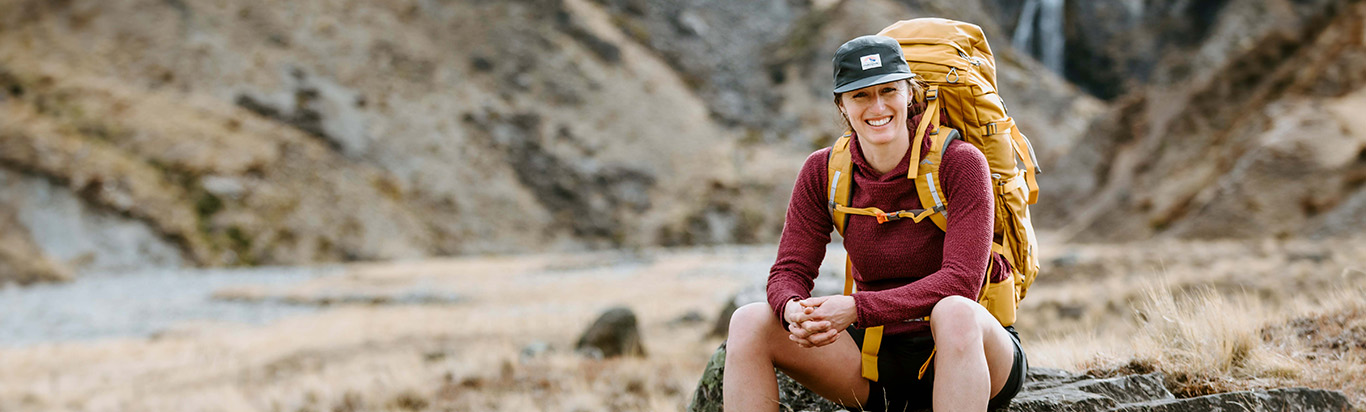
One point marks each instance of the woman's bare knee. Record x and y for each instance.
(749, 324)
(955, 322)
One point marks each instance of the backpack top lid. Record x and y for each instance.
(966, 37)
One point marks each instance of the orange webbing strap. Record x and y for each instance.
(1026, 154)
(926, 365)
(931, 116)
(915, 215)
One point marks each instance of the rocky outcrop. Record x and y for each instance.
(1262, 140)
(1058, 390)
(175, 180)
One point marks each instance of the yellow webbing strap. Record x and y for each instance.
(931, 115)
(1023, 150)
(848, 276)
(872, 337)
(926, 185)
(1013, 183)
(872, 340)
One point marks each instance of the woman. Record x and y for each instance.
(905, 271)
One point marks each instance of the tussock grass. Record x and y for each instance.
(1205, 343)
(1212, 316)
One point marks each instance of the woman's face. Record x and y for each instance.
(878, 112)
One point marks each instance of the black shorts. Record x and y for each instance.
(898, 363)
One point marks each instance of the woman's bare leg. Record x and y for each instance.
(757, 343)
(973, 355)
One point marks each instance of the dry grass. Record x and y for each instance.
(1214, 316)
(465, 356)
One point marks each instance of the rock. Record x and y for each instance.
(1286, 399)
(614, 334)
(319, 107)
(722, 326)
(791, 395)
(1049, 389)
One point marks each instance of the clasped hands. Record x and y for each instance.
(818, 321)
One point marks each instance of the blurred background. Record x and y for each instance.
(421, 204)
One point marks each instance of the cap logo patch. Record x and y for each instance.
(871, 61)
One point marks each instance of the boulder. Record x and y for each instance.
(615, 333)
(791, 395)
(1048, 389)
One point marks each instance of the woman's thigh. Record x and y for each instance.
(832, 371)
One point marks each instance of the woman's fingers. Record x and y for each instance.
(816, 326)
(824, 338)
(813, 302)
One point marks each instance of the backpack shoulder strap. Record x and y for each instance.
(928, 184)
(926, 174)
(839, 181)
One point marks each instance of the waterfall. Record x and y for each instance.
(1024, 30)
(1050, 34)
(1050, 40)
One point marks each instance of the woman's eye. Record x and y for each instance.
(887, 90)
(860, 95)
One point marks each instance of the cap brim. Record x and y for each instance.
(874, 80)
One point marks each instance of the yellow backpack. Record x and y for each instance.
(953, 59)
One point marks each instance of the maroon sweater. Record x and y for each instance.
(901, 268)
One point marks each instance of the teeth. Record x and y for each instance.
(881, 122)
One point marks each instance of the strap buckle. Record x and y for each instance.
(883, 217)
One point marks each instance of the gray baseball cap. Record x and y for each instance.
(869, 60)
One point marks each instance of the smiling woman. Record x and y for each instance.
(879, 348)
(877, 115)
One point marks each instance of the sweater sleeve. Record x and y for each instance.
(967, 245)
(806, 232)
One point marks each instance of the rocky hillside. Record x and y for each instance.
(1254, 131)
(139, 133)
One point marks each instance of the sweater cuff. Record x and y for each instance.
(863, 320)
(779, 306)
